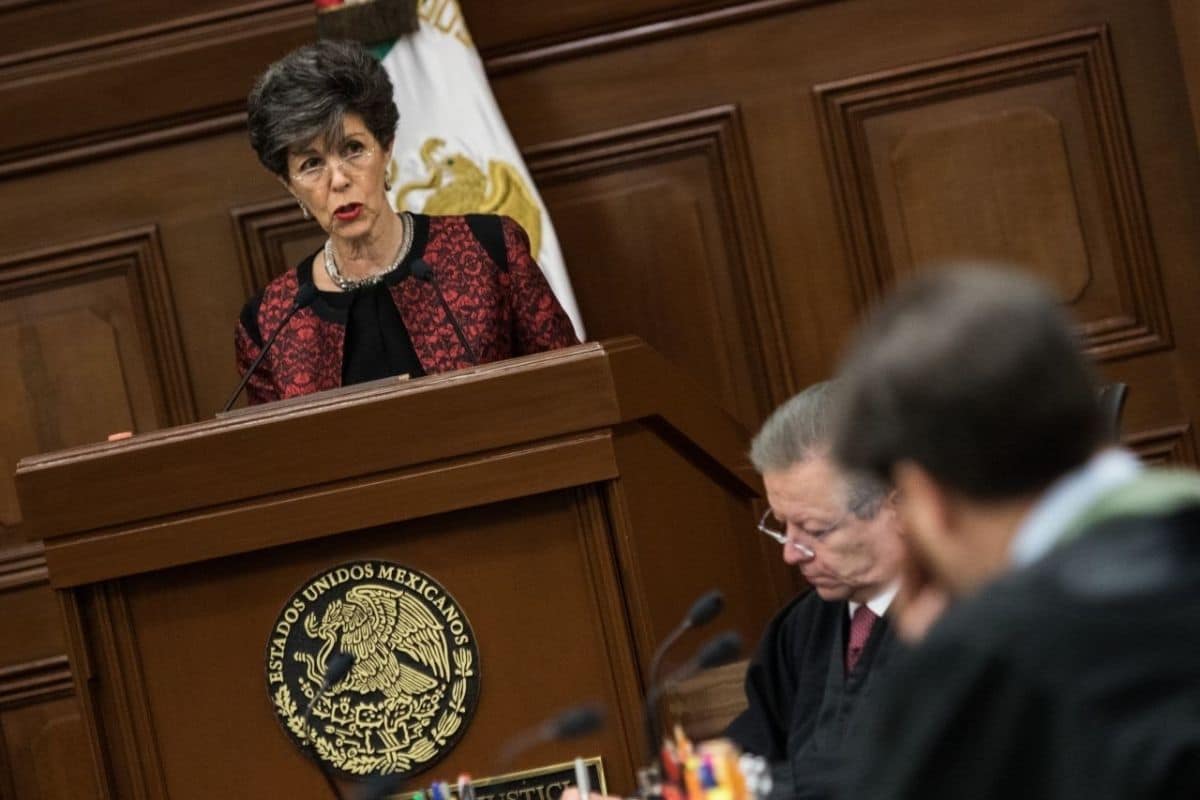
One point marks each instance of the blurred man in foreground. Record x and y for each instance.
(821, 657)
(1068, 664)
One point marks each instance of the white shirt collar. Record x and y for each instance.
(880, 602)
(1066, 499)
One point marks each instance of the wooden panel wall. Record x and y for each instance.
(733, 181)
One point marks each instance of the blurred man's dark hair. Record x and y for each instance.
(998, 372)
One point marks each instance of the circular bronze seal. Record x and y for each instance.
(372, 668)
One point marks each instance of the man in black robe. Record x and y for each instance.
(821, 657)
(1068, 663)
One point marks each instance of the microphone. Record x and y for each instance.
(703, 611)
(569, 724)
(719, 651)
(574, 722)
(716, 652)
(338, 667)
(423, 272)
(304, 298)
(335, 670)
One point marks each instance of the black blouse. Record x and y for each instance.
(377, 342)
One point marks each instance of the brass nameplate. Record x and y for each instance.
(542, 783)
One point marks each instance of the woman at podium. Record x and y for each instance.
(388, 293)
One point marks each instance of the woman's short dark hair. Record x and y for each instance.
(306, 94)
(976, 375)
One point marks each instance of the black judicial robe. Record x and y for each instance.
(802, 704)
(1077, 678)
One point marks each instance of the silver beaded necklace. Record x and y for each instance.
(350, 284)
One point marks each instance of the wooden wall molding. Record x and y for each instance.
(195, 50)
(598, 550)
(133, 51)
(22, 567)
(1170, 445)
(116, 646)
(627, 33)
(13, 5)
(35, 681)
(137, 256)
(717, 135)
(78, 611)
(82, 54)
(262, 230)
(154, 133)
(844, 107)
(497, 60)
(616, 511)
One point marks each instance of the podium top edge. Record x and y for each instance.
(333, 399)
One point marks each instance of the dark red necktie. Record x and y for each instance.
(860, 630)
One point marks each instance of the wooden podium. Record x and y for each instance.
(573, 503)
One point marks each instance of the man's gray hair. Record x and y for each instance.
(802, 428)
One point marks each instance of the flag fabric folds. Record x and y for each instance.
(453, 152)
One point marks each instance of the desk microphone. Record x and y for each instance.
(569, 724)
(337, 669)
(423, 272)
(304, 298)
(702, 612)
(718, 651)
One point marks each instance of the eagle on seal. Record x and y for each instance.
(376, 622)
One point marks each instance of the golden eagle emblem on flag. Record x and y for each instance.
(457, 185)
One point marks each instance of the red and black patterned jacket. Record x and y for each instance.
(503, 312)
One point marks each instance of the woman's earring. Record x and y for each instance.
(304, 210)
(387, 183)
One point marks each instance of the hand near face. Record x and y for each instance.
(919, 603)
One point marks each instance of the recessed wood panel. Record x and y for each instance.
(95, 345)
(662, 239)
(1019, 154)
(44, 751)
(1172, 445)
(30, 629)
(47, 752)
(996, 186)
(68, 386)
(272, 238)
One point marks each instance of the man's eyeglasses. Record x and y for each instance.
(778, 531)
(313, 170)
